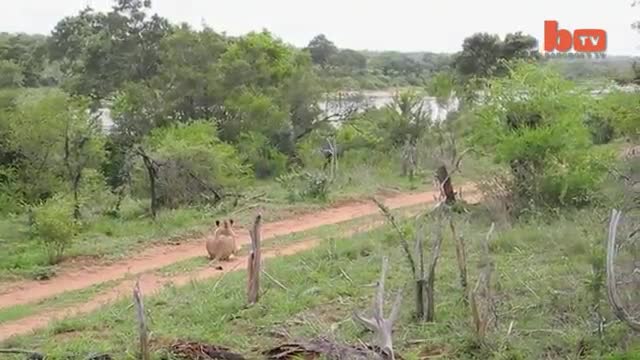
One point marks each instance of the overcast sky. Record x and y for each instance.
(405, 25)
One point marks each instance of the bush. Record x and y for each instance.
(55, 226)
(601, 129)
(533, 122)
(193, 163)
(305, 185)
(264, 158)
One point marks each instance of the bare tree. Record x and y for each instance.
(612, 291)
(382, 327)
(425, 281)
(253, 286)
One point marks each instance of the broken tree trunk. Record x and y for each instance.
(612, 291)
(382, 327)
(445, 184)
(142, 325)
(253, 286)
(481, 298)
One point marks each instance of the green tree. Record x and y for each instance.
(479, 56)
(101, 51)
(483, 54)
(322, 50)
(188, 164)
(11, 74)
(533, 121)
(57, 140)
(28, 53)
(350, 60)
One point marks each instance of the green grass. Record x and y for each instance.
(57, 302)
(543, 271)
(107, 238)
(71, 298)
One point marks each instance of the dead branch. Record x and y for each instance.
(253, 288)
(461, 255)
(481, 299)
(431, 275)
(31, 355)
(420, 280)
(403, 240)
(382, 327)
(612, 291)
(142, 325)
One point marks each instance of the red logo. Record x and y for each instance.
(582, 40)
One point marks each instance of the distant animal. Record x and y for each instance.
(222, 245)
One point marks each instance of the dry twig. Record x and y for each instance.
(382, 327)
(612, 291)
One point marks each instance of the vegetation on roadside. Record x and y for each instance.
(205, 125)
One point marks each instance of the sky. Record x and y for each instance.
(401, 25)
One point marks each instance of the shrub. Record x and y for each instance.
(264, 158)
(192, 163)
(532, 121)
(601, 129)
(55, 226)
(305, 185)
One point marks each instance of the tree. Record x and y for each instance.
(188, 73)
(101, 51)
(351, 60)
(322, 50)
(256, 60)
(83, 146)
(483, 54)
(407, 119)
(533, 121)
(57, 140)
(519, 46)
(479, 56)
(11, 74)
(188, 164)
(28, 54)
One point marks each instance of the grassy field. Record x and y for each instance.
(107, 238)
(72, 298)
(544, 291)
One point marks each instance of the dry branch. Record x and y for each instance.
(31, 355)
(403, 240)
(142, 325)
(431, 274)
(382, 327)
(612, 291)
(253, 287)
(420, 280)
(461, 255)
(481, 299)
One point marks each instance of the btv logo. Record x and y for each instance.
(582, 40)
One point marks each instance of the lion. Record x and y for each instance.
(222, 245)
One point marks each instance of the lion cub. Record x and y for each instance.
(223, 243)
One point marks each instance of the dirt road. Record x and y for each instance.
(33, 291)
